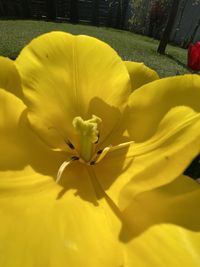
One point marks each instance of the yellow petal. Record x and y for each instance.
(140, 74)
(166, 226)
(52, 226)
(43, 224)
(163, 121)
(67, 76)
(152, 101)
(21, 150)
(164, 245)
(127, 172)
(9, 77)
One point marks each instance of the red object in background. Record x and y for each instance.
(194, 56)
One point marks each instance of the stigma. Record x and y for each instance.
(88, 132)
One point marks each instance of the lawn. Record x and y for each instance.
(15, 34)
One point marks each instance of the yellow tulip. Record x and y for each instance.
(92, 155)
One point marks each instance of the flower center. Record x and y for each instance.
(88, 132)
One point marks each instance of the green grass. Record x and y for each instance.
(15, 34)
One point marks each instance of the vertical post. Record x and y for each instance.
(124, 12)
(119, 15)
(95, 13)
(109, 15)
(2, 9)
(74, 12)
(51, 9)
(26, 13)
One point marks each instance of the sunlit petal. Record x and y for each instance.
(51, 226)
(66, 77)
(42, 223)
(116, 156)
(164, 245)
(140, 74)
(155, 162)
(167, 226)
(22, 153)
(151, 102)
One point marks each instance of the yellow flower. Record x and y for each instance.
(117, 143)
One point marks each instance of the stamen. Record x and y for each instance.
(97, 158)
(103, 153)
(122, 145)
(110, 148)
(63, 167)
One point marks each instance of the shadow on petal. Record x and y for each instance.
(113, 125)
(176, 203)
(77, 178)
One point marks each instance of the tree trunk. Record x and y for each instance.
(165, 38)
(74, 16)
(51, 9)
(194, 32)
(181, 16)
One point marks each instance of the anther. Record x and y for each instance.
(99, 151)
(97, 139)
(75, 158)
(92, 162)
(70, 145)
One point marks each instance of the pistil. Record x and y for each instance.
(88, 131)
